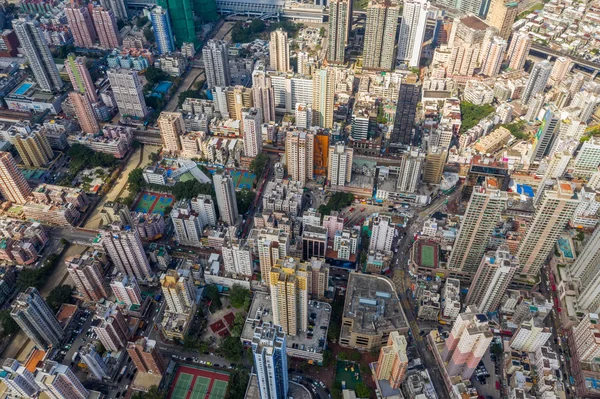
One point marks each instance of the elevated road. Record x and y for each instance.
(147, 136)
(536, 48)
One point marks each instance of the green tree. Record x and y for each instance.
(154, 157)
(238, 296)
(154, 75)
(135, 180)
(191, 189)
(141, 22)
(362, 390)
(238, 383)
(149, 35)
(244, 198)
(259, 163)
(231, 348)
(9, 325)
(100, 349)
(322, 32)
(333, 331)
(354, 356)
(257, 26)
(63, 241)
(59, 295)
(471, 114)
(238, 325)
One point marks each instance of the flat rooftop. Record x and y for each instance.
(300, 345)
(373, 304)
(474, 23)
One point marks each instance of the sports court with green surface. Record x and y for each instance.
(426, 254)
(241, 178)
(197, 383)
(345, 373)
(149, 202)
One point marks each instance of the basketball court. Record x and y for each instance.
(198, 383)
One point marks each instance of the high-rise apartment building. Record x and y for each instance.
(547, 134)
(226, 200)
(493, 56)
(412, 31)
(382, 234)
(272, 245)
(237, 257)
(80, 76)
(13, 185)
(469, 340)
(125, 249)
(118, 7)
(145, 356)
(182, 20)
(304, 116)
(86, 272)
(126, 289)
(299, 153)
(393, 361)
(32, 145)
(406, 111)
(556, 206)
(586, 270)
(270, 361)
(340, 20)
(81, 25)
(323, 97)
(501, 15)
(531, 335)
(491, 280)
(163, 32)
(279, 51)
(106, 26)
(562, 66)
(128, 92)
(94, 362)
(59, 382)
(435, 160)
(380, 35)
(252, 131)
(237, 98)
(216, 64)
(339, 164)
(204, 206)
(289, 295)
(520, 44)
(483, 213)
(85, 112)
(537, 80)
(178, 290)
(187, 224)
(314, 242)
(38, 54)
(111, 327)
(19, 380)
(36, 319)
(171, 128)
(262, 93)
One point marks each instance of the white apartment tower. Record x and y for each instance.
(178, 290)
(59, 382)
(270, 361)
(262, 93)
(537, 80)
(586, 270)
(252, 132)
(323, 97)
(126, 290)
(171, 128)
(483, 213)
(380, 35)
(299, 153)
(492, 279)
(412, 31)
(128, 92)
(187, 225)
(124, 247)
(340, 20)
(19, 380)
(339, 164)
(382, 234)
(520, 44)
(226, 199)
(272, 245)
(555, 208)
(204, 206)
(493, 56)
(237, 257)
(216, 63)
(531, 335)
(279, 51)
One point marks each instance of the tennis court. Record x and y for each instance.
(195, 383)
(150, 202)
(182, 386)
(241, 179)
(427, 256)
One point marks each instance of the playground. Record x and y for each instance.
(197, 383)
(149, 202)
(241, 179)
(348, 372)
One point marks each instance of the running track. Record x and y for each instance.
(197, 373)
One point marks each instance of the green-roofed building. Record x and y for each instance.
(182, 20)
